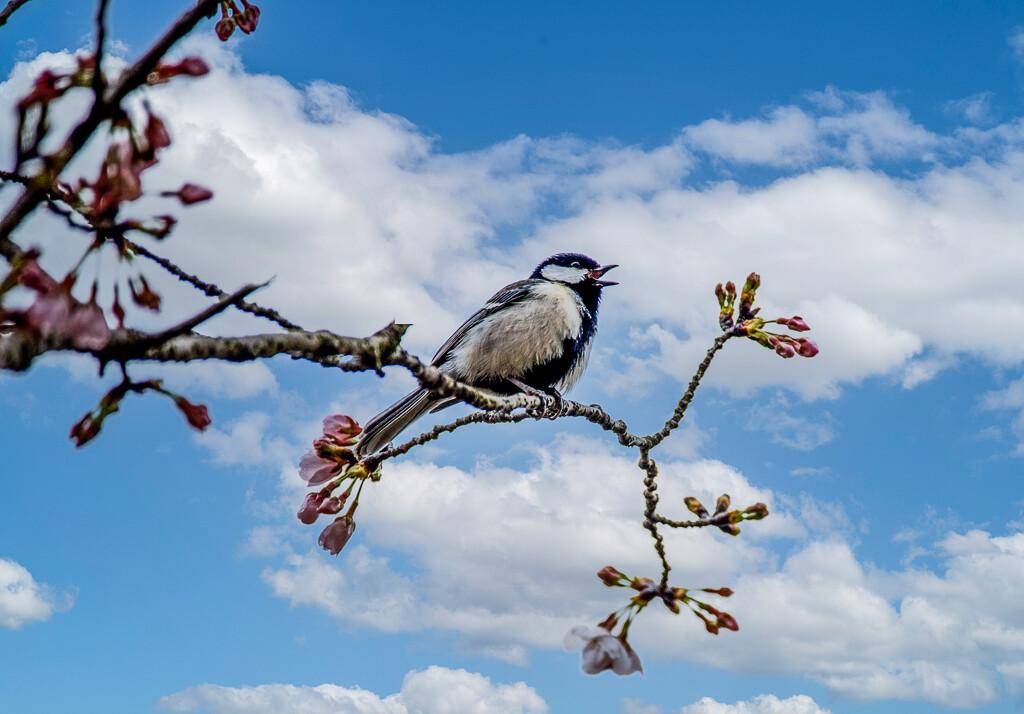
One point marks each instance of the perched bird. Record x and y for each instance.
(532, 336)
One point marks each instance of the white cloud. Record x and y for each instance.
(845, 127)
(245, 441)
(866, 633)
(787, 429)
(785, 137)
(977, 108)
(23, 600)
(548, 527)
(435, 690)
(1016, 42)
(761, 704)
(944, 635)
(1011, 398)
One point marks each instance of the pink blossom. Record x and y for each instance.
(310, 509)
(602, 650)
(87, 327)
(335, 536)
(340, 429)
(315, 470)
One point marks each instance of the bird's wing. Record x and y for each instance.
(508, 295)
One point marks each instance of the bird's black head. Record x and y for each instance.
(574, 269)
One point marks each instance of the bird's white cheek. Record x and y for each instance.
(564, 274)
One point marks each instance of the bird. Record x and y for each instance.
(533, 336)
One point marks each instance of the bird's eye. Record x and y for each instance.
(575, 264)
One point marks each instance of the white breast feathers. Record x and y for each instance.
(520, 336)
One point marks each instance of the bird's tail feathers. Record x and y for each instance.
(384, 427)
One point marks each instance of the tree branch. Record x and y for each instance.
(9, 9)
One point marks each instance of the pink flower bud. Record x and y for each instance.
(333, 505)
(194, 66)
(85, 429)
(198, 415)
(143, 295)
(191, 193)
(784, 350)
(795, 323)
(807, 347)
(610, 576)
(727, 621)
(224, 27)
(156, 132)
(724, 592)
(248, 19)
(310, 509)
(335, 536)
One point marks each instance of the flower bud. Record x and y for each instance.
(784, 350)
(310, 509)
(795, 323)
(198, 415)
(730, 528)
(724, 592)
(190, 193)
(85, 429)
(335, 536)
(224, 27)
(755, 512)
(722, 504)
(640, 583)
(611, 576)
(332, 505)
(727, 621)
(695, 507)
(807, 347)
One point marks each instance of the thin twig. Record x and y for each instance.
(210, 289)
(98, 81)
(10, 9)
(218, 307)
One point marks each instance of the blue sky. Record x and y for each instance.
(394, 160)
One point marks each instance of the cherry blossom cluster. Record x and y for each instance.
(54, 313)
(725, 520)
(603, 649)
(231, 16)
(332, 462)
(89, 426)
(746, 322)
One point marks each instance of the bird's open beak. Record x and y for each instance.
(596, 274)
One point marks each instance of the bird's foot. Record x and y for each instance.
(556, 408)
(551, 400)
